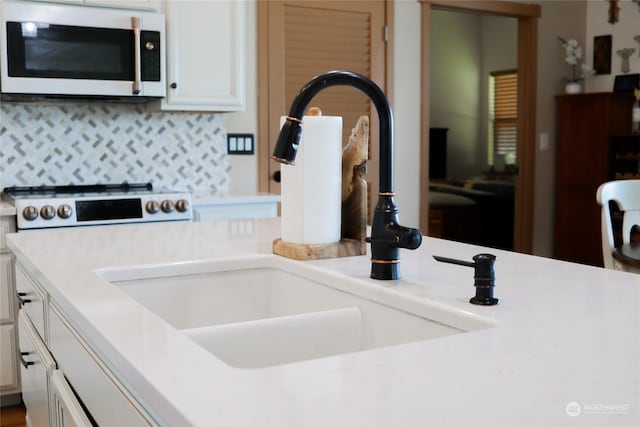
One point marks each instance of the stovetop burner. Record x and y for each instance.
(49, 190)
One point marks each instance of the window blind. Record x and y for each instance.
(505, 111)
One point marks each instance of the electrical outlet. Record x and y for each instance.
(240, 143)
(544, 141)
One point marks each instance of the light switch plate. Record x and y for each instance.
(240, 143)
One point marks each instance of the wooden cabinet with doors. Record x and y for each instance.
(585, 123)
(625, 156)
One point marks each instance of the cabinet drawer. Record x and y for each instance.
(34, 301)
(239, 211)
(8, 367)
(104, 397)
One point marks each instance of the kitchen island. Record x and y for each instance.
(561, 348)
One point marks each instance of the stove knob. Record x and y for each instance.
(152, 206)
(182, 205)
(64, 211)
(30, 213)
(47, 212)
(166, 206)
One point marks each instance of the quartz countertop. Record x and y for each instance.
(7, 208)
(565, 349)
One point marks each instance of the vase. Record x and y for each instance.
(573, 87)
(635, 119)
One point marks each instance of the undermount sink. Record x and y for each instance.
(264, 311)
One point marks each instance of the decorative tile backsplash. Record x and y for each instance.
(91, 143)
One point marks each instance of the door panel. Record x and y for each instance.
(308, 38)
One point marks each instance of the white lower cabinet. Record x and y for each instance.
(64, 383)
(8, 370)
(108, 402)
(37, 365)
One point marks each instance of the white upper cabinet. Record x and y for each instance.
(205, 55)
(119, 4)
(125, 4)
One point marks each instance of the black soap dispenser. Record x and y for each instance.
(484, 276)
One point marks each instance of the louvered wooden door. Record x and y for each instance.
(304, 39)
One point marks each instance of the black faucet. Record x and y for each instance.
(387, 236)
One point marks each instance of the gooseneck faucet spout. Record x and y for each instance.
(387, 236)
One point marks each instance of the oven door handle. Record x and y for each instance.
(137, 78)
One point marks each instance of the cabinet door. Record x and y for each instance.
(78, 2)
(205, 55)
(126, 4)
(36, 366)
(8, 368)
(67, 411)
(6, 289)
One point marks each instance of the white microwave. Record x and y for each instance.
(79, 51)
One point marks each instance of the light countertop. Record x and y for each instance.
(7, 208)
(565, 335)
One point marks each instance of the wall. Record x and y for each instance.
(499, 52)
(459, 82)
(111, 143)
(244, 168)
(406, 103)
(622, 33)
(558, 18)
(456, 61)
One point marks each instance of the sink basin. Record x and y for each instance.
(265, 311)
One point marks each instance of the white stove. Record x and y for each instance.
(83, 205)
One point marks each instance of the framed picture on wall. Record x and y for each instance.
(602, 54)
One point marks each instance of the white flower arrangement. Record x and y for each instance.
(573, 53)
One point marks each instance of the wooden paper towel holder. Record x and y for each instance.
(354, 204)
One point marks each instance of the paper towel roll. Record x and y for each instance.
(311, 189)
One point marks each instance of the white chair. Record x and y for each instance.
(626, 194)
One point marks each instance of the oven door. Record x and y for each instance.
(70, 50)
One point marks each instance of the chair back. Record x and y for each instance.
(626, 194)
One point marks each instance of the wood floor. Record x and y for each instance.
(12, 416)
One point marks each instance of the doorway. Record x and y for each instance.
(526, 15)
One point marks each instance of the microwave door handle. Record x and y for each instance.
(135, 23)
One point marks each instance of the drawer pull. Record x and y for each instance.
(22, 301)
(25, 363)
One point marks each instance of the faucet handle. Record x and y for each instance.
(484, 276)
(400, 237)
(408, 238)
